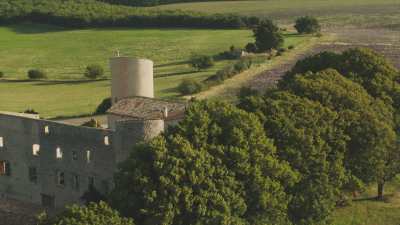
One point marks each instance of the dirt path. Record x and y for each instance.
(265, 74)
(386, 42)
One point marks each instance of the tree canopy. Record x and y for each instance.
(216, 167)
(93, 214)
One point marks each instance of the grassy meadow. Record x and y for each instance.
(330, 12)
(64, 54)
(367, 211)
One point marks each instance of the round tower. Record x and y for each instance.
(131, 77)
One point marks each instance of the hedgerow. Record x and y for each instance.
(91, 13)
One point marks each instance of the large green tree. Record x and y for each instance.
(305, 134)
(216, 167)
(268, 36)
(367, 121)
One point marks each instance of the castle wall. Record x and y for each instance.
(107, 148)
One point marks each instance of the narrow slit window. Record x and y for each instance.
(59, 153)
(88, 156)
(74, 155)
(75, 182)
(33, 177)
(106, 141)
(5, 168)
(35, 149)
(46, 130)
(60, 178)
(1, 142)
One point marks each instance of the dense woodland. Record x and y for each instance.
(150, 2)
(85, 13)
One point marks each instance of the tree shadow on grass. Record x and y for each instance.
(175, 74)
(171, 64)
(36, 28)
(68, 82)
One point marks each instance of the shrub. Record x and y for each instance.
(103, 106)
(92, 123)
(251, 47)
(1, 74)
(31, 111)
(94, 214)
(201, 62)
(268, 36)
(242, 65)
(187, 87)
(225, 73)
(307, 25)
(94, 71)
(291, 47)
(233, 53)
(37, 74)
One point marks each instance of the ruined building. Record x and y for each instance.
(54, 163)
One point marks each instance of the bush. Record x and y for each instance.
(103, 107)
(31, 111)
(37, 74)
(225, 73)
(233, 53)
(1, 74)
(94, 71)
(92, 123)
(201, 62)
(188, 87)
(251, 47)
(242, 65)
(307, 25)
(291, 47)
(94, 214)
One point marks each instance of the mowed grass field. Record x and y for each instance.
(64, 54)
(330, 12)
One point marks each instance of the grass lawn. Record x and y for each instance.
(366, 211)
(355, 12)
(64, 54)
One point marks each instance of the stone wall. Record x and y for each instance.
(69, 159)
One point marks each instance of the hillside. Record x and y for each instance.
(362, 13)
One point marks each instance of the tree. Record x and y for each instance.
(94, 71)
(215, 167)
(93, 214)
(251, 47)
(201, 62)
(103, 106)
(37, 74)
(307, 25)
(268, 36)
(188, 87)
(368, 122)
(305, 135)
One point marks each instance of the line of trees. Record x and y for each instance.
(83, 13)
(151, 2)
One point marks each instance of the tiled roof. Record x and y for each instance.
(148, 108)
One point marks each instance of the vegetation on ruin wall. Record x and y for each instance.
(84, 13)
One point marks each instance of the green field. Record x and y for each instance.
(367, 211)
(351, 12)
(64, 54)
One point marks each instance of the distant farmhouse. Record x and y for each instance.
(54, 163)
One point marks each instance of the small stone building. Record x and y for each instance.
(54, 163)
